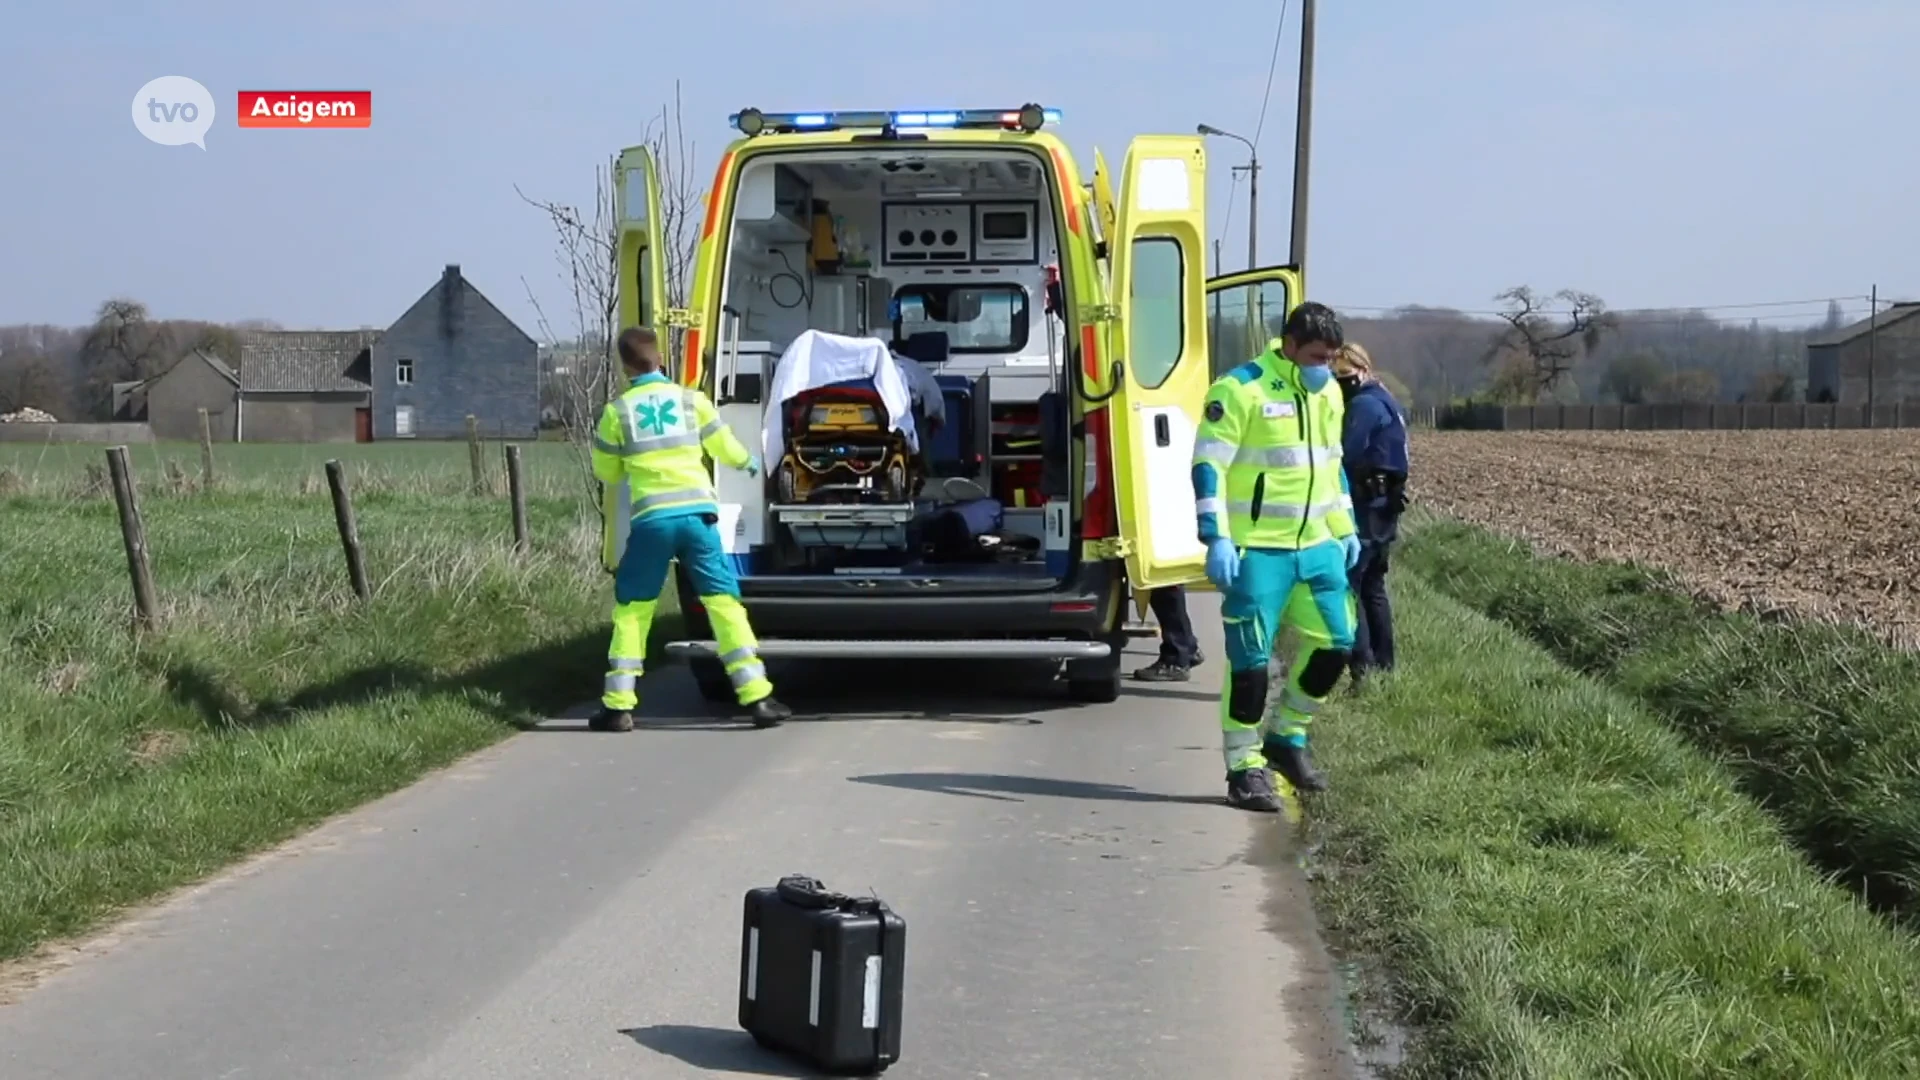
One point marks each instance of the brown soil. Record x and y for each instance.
(1819, 524)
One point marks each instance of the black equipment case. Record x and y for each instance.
(822, 975)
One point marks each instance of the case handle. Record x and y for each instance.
(809, 892)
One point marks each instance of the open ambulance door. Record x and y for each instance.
(1245, 311)
(640, 294)
(1156, 252)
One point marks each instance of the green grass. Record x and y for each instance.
(1563, 888)
(55, 470)
(268, 698)
(1820, 723)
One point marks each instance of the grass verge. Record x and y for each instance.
(269, 699)
(1819, 723)
(1562, 888)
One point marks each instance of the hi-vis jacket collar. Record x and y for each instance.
(649, 377)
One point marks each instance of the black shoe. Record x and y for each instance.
(1252, 789)
(1198, 659)
(610, 720)
(1293, 763)
(1161, 671)
(770, 713)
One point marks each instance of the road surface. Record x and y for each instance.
(1079, 903)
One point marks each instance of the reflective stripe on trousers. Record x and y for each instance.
(623, 675)
(739, 649)
(627, 654)
(743, 666)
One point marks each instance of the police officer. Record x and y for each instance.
(653, 436)
(1277, 522)
(1375, 458)
(1179, 648)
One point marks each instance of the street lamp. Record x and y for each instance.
(1252, 169)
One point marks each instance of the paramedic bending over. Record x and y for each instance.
(652, 436)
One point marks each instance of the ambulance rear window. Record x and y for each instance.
(975, 318)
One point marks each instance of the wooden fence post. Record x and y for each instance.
(133, 533)
(474, 456)
(517, 495)
(206, 451)
(349, 530)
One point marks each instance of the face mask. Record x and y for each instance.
(1315, 378)
(1349, 384)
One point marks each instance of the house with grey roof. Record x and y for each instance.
(305, 386)
(1876, 360)
(452, 355)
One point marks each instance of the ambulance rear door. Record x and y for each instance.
(1245, 311)
(1156, 254)
(640, 294)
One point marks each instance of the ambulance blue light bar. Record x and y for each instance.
(1029, 118)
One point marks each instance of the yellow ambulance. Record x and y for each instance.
(1035, 348)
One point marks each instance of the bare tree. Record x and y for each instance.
(28, 380)
(122, 345)
(588, 253)
(1547, 341)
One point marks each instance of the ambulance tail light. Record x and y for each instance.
(1098, 519)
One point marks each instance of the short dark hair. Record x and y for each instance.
(1314, 323)
(639, 348)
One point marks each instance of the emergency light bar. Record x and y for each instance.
(1028, 118)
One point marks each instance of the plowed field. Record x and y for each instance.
(1822, 524)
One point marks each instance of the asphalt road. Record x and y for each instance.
(1079, 903)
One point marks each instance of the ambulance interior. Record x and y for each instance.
(940, 262)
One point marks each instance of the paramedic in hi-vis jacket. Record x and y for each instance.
(656, 437)
(1277, 521)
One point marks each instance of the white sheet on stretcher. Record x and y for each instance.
(817, 358)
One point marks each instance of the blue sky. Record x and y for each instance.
(1659, 154)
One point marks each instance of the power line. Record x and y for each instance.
(1266, 99)
(1678, 309)
(1273, 64)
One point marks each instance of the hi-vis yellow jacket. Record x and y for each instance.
(657, 436)
(1267, 456)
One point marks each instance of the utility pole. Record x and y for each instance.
(1252, 169)
(1873, 335)
(1302, 139)
(1253, 211)
(1216, 257)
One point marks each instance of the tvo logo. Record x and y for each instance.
(174, 110)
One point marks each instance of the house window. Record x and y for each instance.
(403, 421)
(403, 373)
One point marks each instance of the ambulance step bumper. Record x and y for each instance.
(959, 649)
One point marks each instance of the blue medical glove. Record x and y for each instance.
(1223, 563)
(1351, 542)
(752, 467)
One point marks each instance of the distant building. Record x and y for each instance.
(1877, 358)
(130, 402)
(305, 386)
(453, 354)
(173, 399)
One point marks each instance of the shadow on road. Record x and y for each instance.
(516, 688)
(532, 690)
(715, 1049)
(1008, 788)
(840, 691)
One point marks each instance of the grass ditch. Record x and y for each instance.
(1820, 723)
(1563, 888)
(269, 698)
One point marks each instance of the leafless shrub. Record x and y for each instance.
(588, 257)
